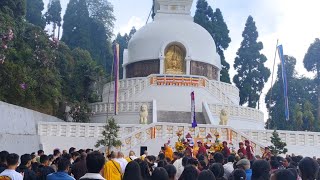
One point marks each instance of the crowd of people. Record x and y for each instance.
(168, 165)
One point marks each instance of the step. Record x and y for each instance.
(179, 117)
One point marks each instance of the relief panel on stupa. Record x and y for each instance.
(204, 69)
(174, 60)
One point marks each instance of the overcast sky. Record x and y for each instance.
(295, 23)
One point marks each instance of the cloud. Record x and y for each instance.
(134, 21)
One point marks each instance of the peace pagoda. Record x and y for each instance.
(166, 60)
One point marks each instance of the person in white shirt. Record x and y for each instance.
(122, 161)
(178, 165)
(228, 168)
(12, 163)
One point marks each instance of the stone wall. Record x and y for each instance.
(18, 132)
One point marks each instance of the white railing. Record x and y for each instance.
(134, 90)
(228, 89)
(237, 111)
(123, 84)
(104, 107)
(299, 138)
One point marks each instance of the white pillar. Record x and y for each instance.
(161, 71)
(124, 72)
(188, 68)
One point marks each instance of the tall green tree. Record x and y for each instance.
(53, 15)
(214, 23)
(298, 117)
(14, 8)
(34, 13)
(308, 117)
(312, 63)
(249, 64)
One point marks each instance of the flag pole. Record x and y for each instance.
(111, 75)
(274, 63)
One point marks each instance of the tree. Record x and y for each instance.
(277, 147)
(34, 13)
(308, 118)
(298, 117)
(53, 15)
(312, 63)
(249, 64)
(110, 135)
(214, 23)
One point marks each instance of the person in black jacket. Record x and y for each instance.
(3, 161)
(44, 169)
(95, 162)
(25, 168)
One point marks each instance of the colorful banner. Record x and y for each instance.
(116, 77)
(193, 111)
(284, 80)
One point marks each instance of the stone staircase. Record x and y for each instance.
(179, 117)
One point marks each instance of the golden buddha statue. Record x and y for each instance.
(174, 60)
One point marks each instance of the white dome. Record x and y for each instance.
(149, 42)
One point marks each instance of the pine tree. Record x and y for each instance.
(312, 63)
(53, 15)
(34, 13)
(298, 117)
(308, 118)
(249, 64)
(110, 135)
(278, 146)
(214, 23)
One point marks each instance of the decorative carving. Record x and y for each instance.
(144, 114)
(174, 60)
(143, 68)
(204, 69)
(223, 117)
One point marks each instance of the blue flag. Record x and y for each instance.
(284, 80)
(193, 111)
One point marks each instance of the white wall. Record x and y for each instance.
(18, 128)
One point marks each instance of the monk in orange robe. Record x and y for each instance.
(112, 169)
(168, 152)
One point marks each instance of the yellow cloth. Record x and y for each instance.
(112, 170)
(128, 159)
(168, 153)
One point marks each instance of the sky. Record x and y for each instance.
(294, 22)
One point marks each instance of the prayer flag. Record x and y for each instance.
(193, 111)
(284, 80)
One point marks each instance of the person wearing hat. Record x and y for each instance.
(241, 149)
(225, 151)
(202, 150)
(266, 154)
(249, 150)
(244, 164)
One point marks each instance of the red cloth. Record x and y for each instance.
(202, 150)
(226, 152)
(249, 152)
(243, 151)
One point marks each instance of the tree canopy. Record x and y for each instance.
(34, 13)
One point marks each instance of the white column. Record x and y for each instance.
(161, 71)
(188, 68)
(124, 73)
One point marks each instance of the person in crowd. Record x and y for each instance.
(79, 168)
(238, 174)
(242, 150)
(94, 163)
(225, 151)
(260, 170)
(217, 170)
(249, 150)
(189, 173)
(282, 174)
(178, 165)
(112, 169)
(122, 161)
(294, 171)
(72, 150)
(54, 163)
(34, 163)
(168, 152)
(145, 170)
(40, 153)
(162, 163)
(74, 156)
(308, 169)
(64, 152)
(44, 169)
(160, 173)
(286, 162)
(144, 155)
(12, 161)
(188, 150)
(244, 164)
(56, 153)
(274, 165)
(206, 175)
(25, 168)
(3, 160)
(132, 171)
(63, 169)
(202, 150)
(202, 165)
(171, 170)
(132, 156)
(228, 167)
(89, 151)
(266, 154)
(218, 158)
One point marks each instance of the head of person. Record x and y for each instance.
(206, 175)
(202, 165)
(64, 165)
(266, 150)
(308, 168)
(88, 151)
(162, 163)
(260, 170)
(189, 173)
(193, 162)
(165, 145)
(185, 161)
(217, 170)
(243, 164)
(218, 157)
(238, 174)
(159, 173)
(71, 150)
(294, 171)
(3, 157)
(132, 171)
(145, 152)
(75, 155)
(144, 169)
(56, 153)
(231, 158)
(12, 161)
(161, 156)
(40, 152)
(44, 160)
(95, 162)
(283, 174)
(33, 158)
(25, 160)
(274, 164)
(64, 152)
(175, 155)
(171, 170)
(199, 143)
(241, 145)
(224, 143)
(112, 155)
(131, 153)
(120, 155)
(247, 142)
(286, 162)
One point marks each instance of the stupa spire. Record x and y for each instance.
(173, 6)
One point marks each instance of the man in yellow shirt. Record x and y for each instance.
(112, 169)
(168, 152)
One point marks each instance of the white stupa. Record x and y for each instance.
(165, 61)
